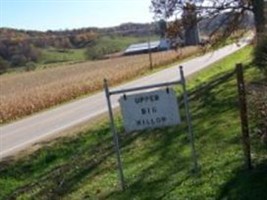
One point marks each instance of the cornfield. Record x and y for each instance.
(28, 92)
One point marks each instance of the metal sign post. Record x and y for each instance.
(115, 135)
(188, 118)
(151, 114)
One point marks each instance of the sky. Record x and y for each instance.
(68, 14)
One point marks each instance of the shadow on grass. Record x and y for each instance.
(156, 178)
(244, 184)
(247, 184)
(55, 171)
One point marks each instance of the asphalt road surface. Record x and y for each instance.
(22, 134)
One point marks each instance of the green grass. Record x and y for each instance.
(52, 55)
(106, 45)
(120, 43)
(157, 164)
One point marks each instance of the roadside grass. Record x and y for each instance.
(157, 163)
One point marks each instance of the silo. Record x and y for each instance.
(190, 24)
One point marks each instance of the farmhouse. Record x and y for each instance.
(145, 47)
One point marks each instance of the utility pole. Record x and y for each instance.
(149, 50)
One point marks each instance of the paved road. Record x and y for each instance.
(21, 134)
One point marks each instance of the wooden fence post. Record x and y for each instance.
(243, 115)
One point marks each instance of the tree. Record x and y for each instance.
(4, 65)
(260, 56)
(18, 60)
(234, 10)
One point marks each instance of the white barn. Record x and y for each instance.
(139, 48)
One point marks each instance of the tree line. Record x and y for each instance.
(19, 47)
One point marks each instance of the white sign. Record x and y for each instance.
(149, 110)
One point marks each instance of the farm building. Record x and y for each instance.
(160, 45)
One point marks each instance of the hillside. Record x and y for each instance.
(20, 47)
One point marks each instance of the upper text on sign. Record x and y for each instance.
(150, 110)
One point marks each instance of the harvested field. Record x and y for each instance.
(29, 92)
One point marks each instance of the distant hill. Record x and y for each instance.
(18, 47)
(80, 38)
(75, 38)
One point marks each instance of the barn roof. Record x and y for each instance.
(142, 46)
